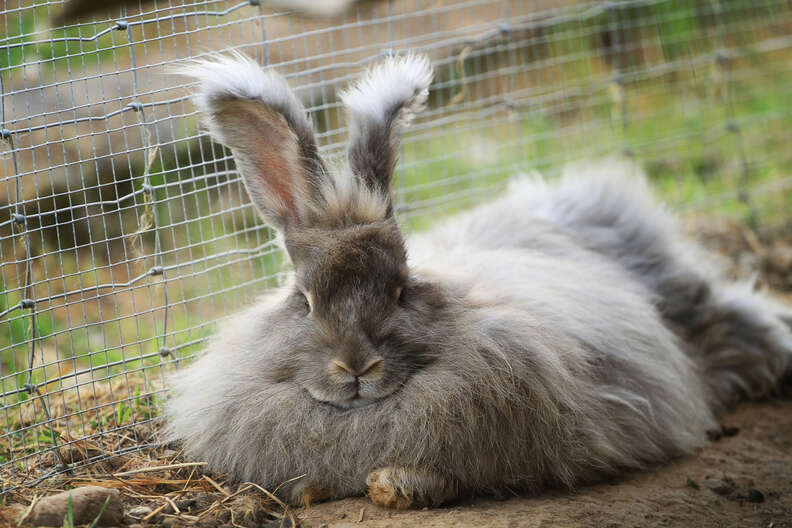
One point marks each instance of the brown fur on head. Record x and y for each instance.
(337, 225)
(354, 284)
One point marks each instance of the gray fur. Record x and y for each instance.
(555, 336)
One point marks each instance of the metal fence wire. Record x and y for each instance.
(126, 236)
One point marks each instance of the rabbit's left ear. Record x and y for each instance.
(254, 112)
(379, 106)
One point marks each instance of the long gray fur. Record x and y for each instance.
(565, 332)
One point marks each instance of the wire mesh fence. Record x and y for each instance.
(126, 236)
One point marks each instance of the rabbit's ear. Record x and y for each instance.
(378, 106)
(254, 113)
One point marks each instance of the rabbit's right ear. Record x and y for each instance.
(254, 113)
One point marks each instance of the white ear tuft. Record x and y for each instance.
(254, 113)
(235, 75)
(383, 102)
(397, 84)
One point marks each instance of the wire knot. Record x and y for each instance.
(26, 304)
(121, 25)
(505, 29)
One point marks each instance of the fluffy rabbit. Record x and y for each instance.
(562, 333)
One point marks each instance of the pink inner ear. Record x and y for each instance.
(275, 168)
(262, 136)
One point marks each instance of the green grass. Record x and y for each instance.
(687, 149)
(50, 49)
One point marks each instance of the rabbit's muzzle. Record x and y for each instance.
(348, 385)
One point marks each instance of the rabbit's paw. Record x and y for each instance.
(307, 494)
(402, 488)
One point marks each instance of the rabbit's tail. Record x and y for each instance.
(741, 339)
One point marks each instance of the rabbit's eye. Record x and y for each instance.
(305, 300)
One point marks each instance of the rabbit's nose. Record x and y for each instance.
(370, 367)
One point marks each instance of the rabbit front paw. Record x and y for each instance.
(402, 488)
(305, 494)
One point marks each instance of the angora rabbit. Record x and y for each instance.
(562, 333)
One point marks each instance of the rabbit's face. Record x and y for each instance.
(357, 325)
(364, 325)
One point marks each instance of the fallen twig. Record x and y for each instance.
(217, 486)
(158, 468)
(155, 511)
(173, 505)
(271, 496)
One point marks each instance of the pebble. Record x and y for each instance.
(754, 495)
(729, 430)
(779, 258)
(721, 487)
(138, 512)
(86, 502)
(185, 504)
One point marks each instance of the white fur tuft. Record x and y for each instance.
(397, 83)
(235, 75)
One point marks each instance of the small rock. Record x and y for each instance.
(754, 495)
(283, 523)
(723, 431)
(168, 522)
(185, 504)
(138, 512)
(143, 431)
(721, 487)
(71, 454)
(779, 258)
(729, 430)
(86, 502)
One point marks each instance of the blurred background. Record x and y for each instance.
(126, 236)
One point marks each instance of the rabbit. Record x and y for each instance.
(564, 333)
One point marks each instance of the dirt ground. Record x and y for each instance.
(741, 477)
